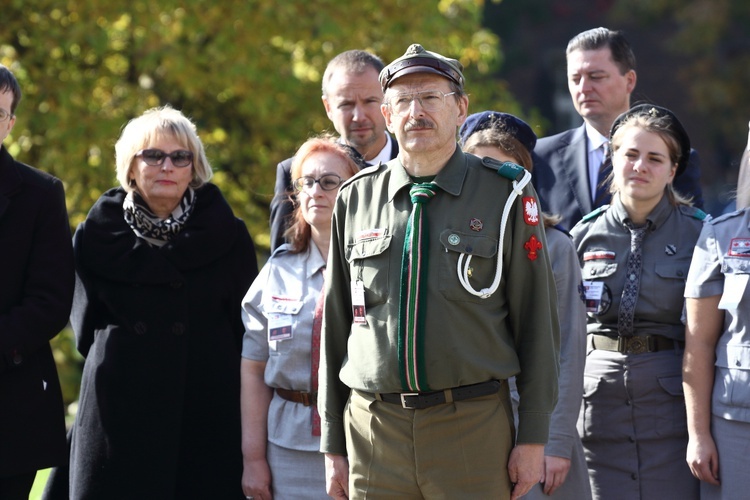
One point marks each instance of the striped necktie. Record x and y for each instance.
(603, 196)
(413, 284)
(632, 280)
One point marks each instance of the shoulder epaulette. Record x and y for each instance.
(694, 212)
(504, 168)
(595, 213)
(365, 171)
(726, 216)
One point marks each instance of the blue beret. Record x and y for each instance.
(502, 122)
(672, 122)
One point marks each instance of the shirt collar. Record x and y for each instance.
(385, 154)
(658, 215)
(315, 261)
(595, 139)
(450, 179)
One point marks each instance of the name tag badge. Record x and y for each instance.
(734, 289)
(279, 326)
(593, 291)
(358, 302)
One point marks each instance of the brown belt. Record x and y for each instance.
(303, 397)
(635, 345)
(421, 400)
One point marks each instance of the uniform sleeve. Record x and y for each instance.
(572, 315)
(337, 321)
(48, 285)
(533, 320)
(84, 316)
(255, 339)
(705, 278)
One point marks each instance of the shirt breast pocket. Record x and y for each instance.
(597, 269)
(480, 270)
(369, 262)
(282, 314)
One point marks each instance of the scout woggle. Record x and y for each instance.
(520, 177)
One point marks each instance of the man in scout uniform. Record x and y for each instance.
(438, 289)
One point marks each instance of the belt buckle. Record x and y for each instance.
(405, 395)
(633, 345)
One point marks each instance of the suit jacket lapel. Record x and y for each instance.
(575, 165)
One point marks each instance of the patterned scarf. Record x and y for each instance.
(147, 225)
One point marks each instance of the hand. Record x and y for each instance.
(703, 459)
(525, 467)
(256, 480)
(555, 472)
(337, 476)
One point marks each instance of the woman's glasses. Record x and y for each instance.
(327, 182)
(155, 157)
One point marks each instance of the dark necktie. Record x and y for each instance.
(413, 284)
(632, 281)
(603, 196)
(315, 358)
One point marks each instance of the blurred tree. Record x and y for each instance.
(248, 72)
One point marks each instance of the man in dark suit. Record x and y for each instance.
(36, 291)
(601, 78)
(352, 97)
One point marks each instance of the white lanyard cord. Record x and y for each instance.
(463, 274)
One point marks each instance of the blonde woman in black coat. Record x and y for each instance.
(162, 265)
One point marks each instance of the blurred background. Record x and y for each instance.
(249, 74)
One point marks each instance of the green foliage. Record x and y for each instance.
(248, 72)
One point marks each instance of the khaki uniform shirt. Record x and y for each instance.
(468, 339)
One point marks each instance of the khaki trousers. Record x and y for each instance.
(453, 450)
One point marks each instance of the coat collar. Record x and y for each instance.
(450, 179)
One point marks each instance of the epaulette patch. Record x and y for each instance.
(694, 212)
(596, 213)
(504, 168)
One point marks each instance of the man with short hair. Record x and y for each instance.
(601, 78)
(352, 98)
(432, 300)
(36, 293)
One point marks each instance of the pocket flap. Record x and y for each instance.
(735, 265)
(367, 248)
(674, 270)
(597, 269)
(282, 305)
(471, 244)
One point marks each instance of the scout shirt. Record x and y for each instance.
(721, 266)
(603, 244)
(468, 339)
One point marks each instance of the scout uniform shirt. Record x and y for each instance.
(721, 266)
(603, 244)
(468, 339)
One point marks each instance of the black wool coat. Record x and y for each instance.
(161, 331)
(36, 290)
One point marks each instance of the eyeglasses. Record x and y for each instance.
(4, 115)
(327, 182)
(429, 100)
(155, 157)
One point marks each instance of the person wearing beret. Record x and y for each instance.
(507, 138)
(432, 302)
(36, 292)
(634, 256)
(352, 98)
(569, 167)
(162, 265)
(717, 357)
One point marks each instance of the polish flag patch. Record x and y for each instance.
(530, 211)
(599, 255)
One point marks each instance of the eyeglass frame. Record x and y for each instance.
(416, 95)
(166, 155)
(8, 116)
(296, 184)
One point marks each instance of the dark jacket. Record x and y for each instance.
(161, 330)
(561, 177)
(36, 290)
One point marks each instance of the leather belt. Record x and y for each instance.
(302, 397)
(422, 400)
(634, 345)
